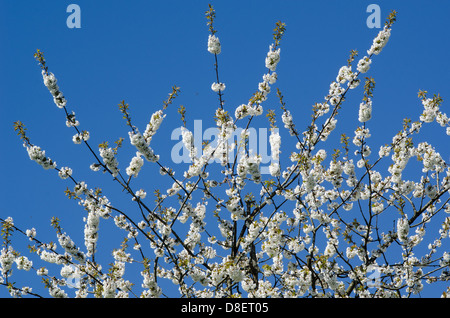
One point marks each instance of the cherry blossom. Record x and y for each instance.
(319, 224)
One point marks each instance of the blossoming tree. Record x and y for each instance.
(328, 224)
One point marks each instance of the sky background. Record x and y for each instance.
(137, 50)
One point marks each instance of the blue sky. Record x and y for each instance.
(137, 50)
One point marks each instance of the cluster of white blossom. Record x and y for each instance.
(91, 232)
(214, 44)
(335, 93)
(65, 172)
(273, 236)
(100, 206)
(97, 207)
(70, 248)
(153, 125)
(226, 128)
(195, 169)
(247, 110)
(56, 292)
(152, 288)
(254, 108)
(273, 58)
(143, 146)
(197, 225)
(135, 165)
(109, 160)
(79, 137)
(288, 122)
(188, 141)
(346, 75)
(7, 257)
(402, 229)
(31, 233)
(216, 87)
(71, 121)
(50, 257)
(50, 82)
(431, 110)
(269, 78)
(380, 41)
(275, 144)
(23, 263)
(249, 164)
(365, 110)
(233, 205)
(431, 159)
(114, 284)
(141, 194)
(364, 64)
(253, 231)
(36, 154)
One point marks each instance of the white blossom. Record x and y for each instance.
(137, 140)
(135, 165)
(365, 111)
(288, 122)
(275, 144)
(65, 172)
(7, 259)
(36, 154)
(31, 233)
(431, 110)
(380, 41)
(216, 87)
(272, 58)
(364, 64)
(214, 44)
(248, 110)
(141, 194)
(50, 82)
(402, 229)
(110, 160)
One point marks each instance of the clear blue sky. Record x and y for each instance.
(136, 50)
